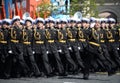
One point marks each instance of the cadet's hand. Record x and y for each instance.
(79, 48)
(33, 52)
(10, 51)
(47, 52)
(118, 49)
(70, 48)
(60, 50)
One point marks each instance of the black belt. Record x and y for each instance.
(82, 40)
(62, 41)
(72, 40)
(51, 41)
(15, 41)
(39, 42)
(3, 42)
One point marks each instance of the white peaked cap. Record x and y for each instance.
(78, 20)
(16, 17)
(39, 19)
(64, 20)
(97, 20)
(111, 20)
(29, 19)
(6, 20)
(51, 19)
(86, 19)
(92, 19)
(103, 19)
(46, 19)
(22, 21)
(34, 21)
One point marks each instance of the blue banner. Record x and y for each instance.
(6, 5)
(60, 8)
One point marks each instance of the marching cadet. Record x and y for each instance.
(78, 23)
(96, 45)
(51, 47)
(47, 25)
(58, 24)
(68, 24)
(17, 49)
(62, 44)
(39, 47)
(92, 22)
(103, 43)
(82, 36)
(111, 34)
(103, 23)
(5, 57)
(27, 40)
(22, 24)
(73, 43)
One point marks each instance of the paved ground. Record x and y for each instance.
(94, 78)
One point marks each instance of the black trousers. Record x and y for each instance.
(18, 58)
(76, 54)
(67, 57)
(51, 47)
(98, 54)
(42, 57)
(107, 55)
(112, 48)
(86, 57)
(5, 61)
(29, 57)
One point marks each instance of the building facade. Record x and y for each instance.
(110, 8)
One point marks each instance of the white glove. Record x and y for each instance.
(33, 52)
(47, 52)
(60, 50)
(10, 51)
(70, 48)
(79, 48)
(118, 49)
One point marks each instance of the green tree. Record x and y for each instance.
(87, 7)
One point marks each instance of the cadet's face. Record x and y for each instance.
(39, 24)
(5, 25)
(97, 25)
(17, 23)
(69, 24)
(112, 24)
(79, 25)
(103, 24)
(107, 24)
(84, 24)
(51, 24)
(63, 25)
(73, 24)
(47, 24)
(88, 25)
(59, 25)
(28, 23)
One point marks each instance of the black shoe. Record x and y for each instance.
(18, 76)
(62, 74)
(5, 76)
(86, 76)
(111, 73)
(30, 74)
(38, 75)
(49, 75)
